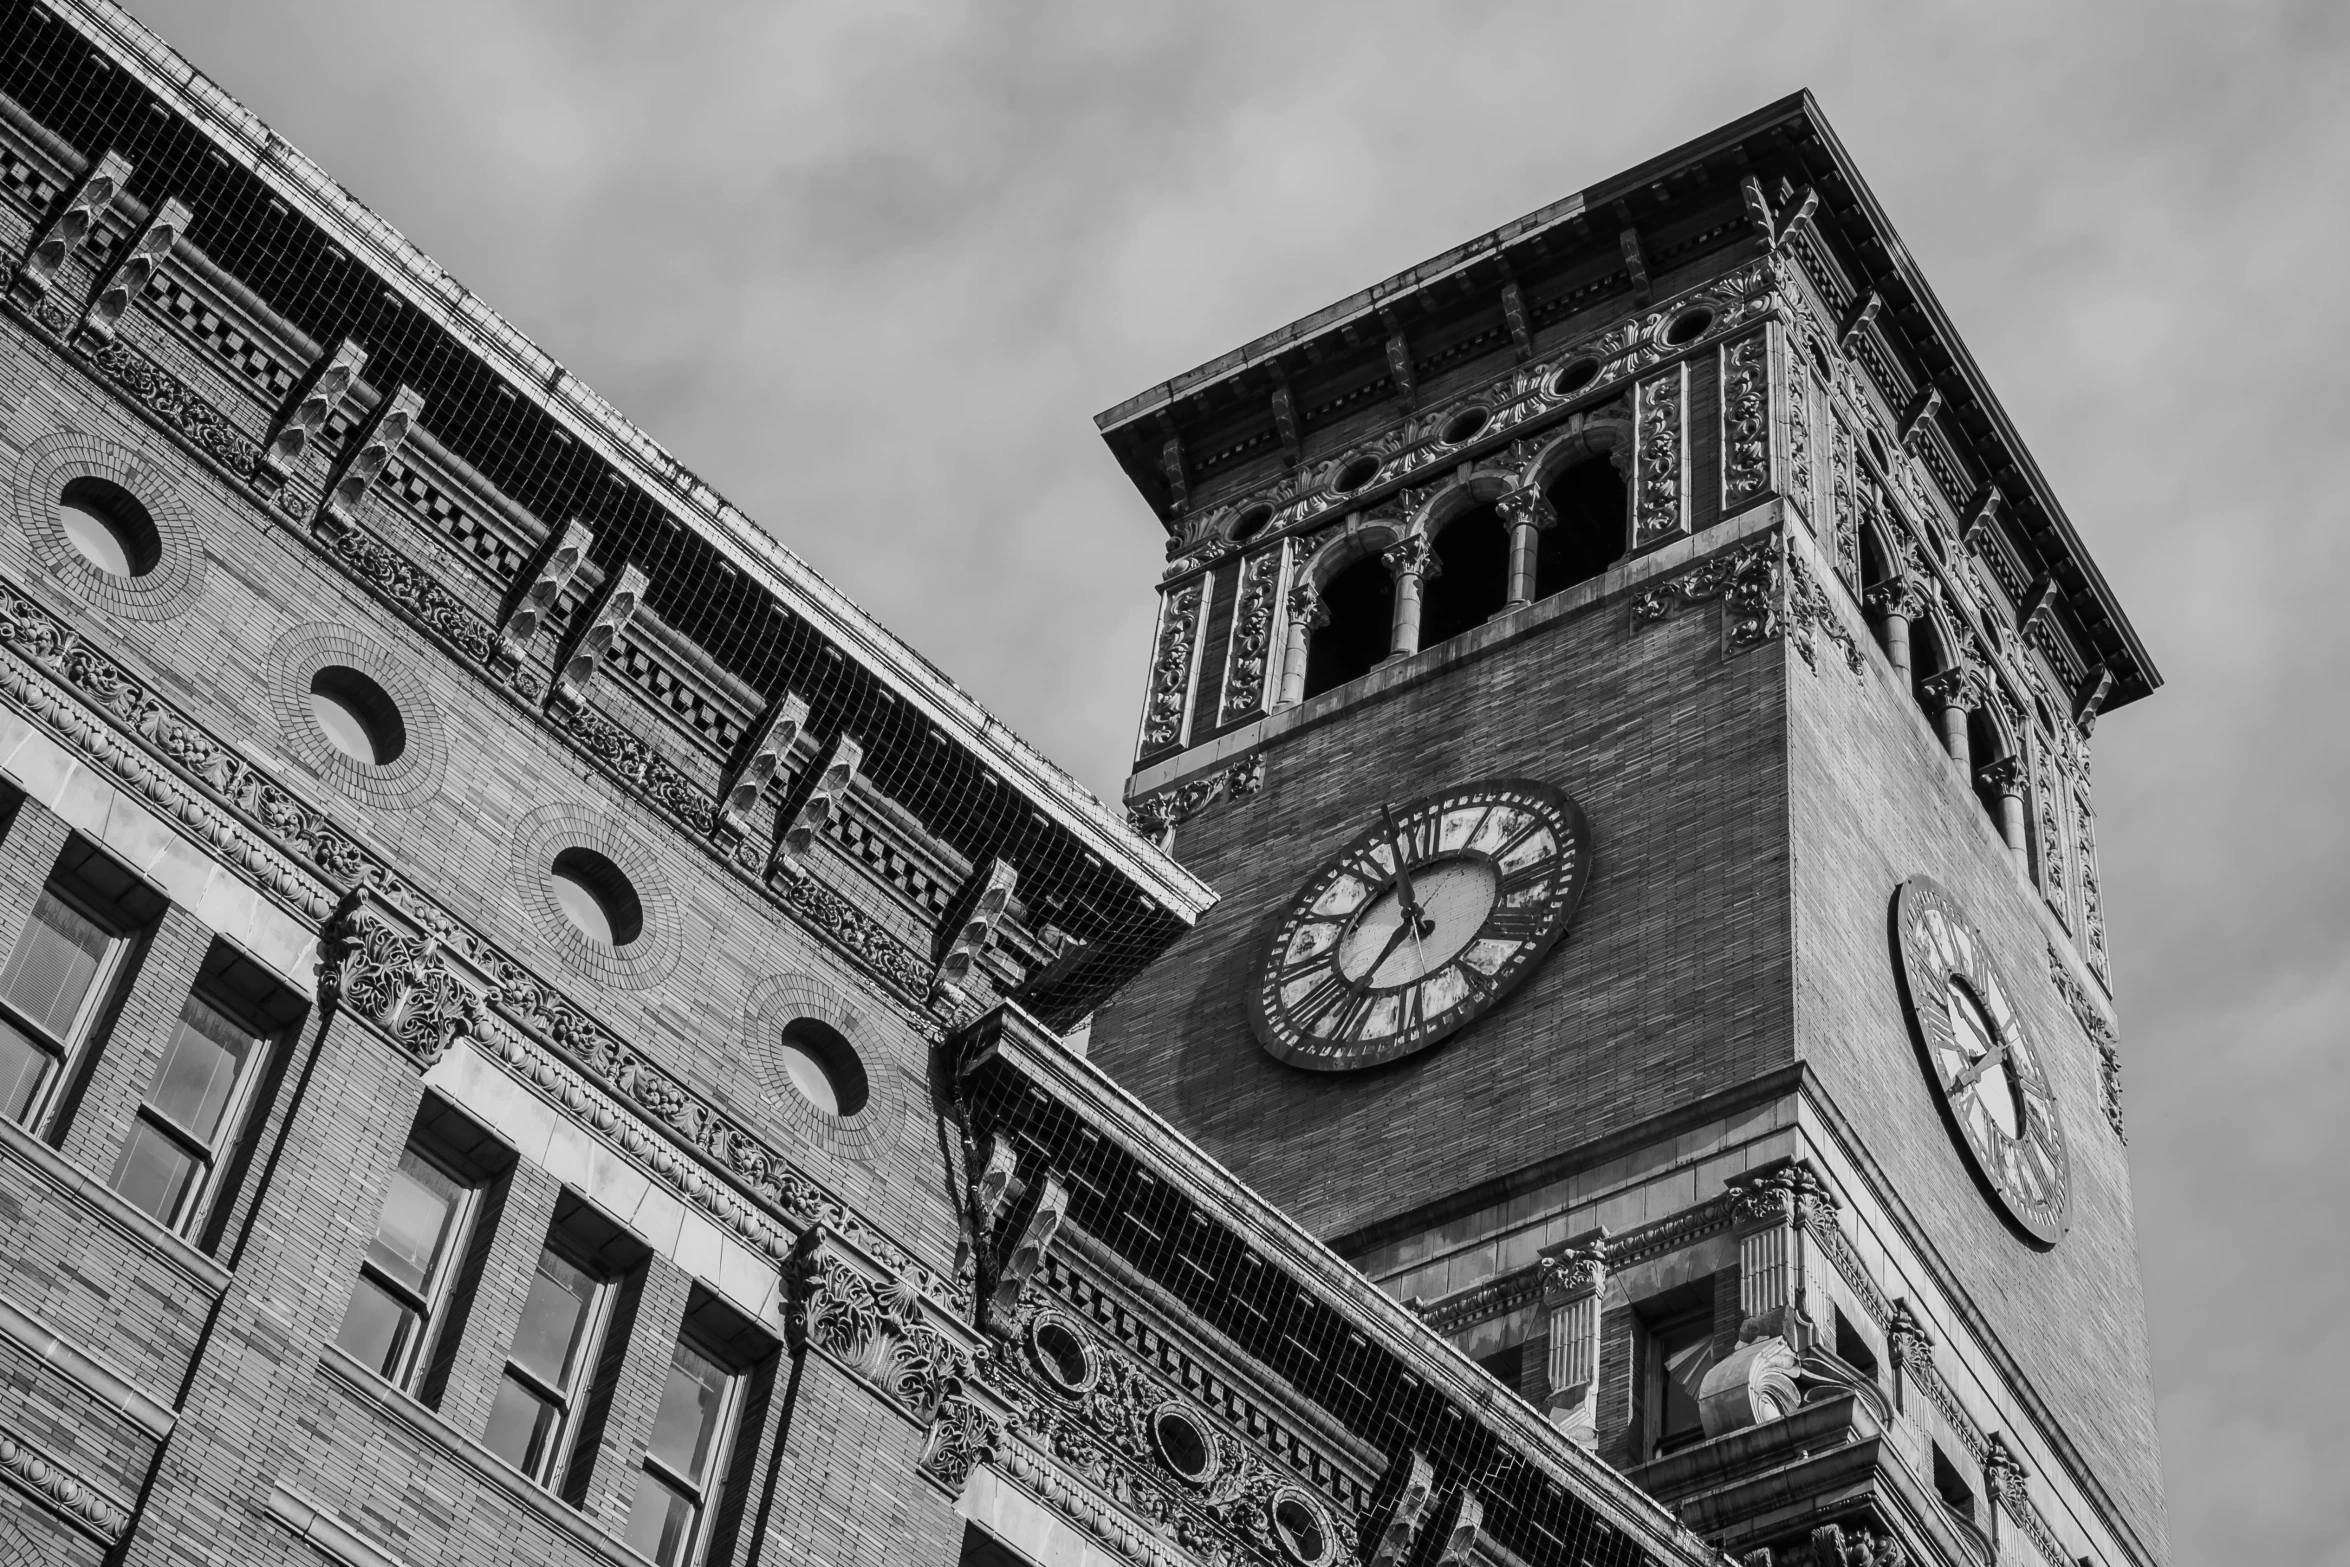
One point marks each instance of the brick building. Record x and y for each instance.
(531, 1030)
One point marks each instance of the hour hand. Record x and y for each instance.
(1976, 1068)
(1403, 927)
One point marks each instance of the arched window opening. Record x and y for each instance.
(1927, 659)
(1876, 568)
(1595, 512)
(1474, 552)
(1984, 746)
(1361, 604)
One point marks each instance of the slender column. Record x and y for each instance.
(1951, 695)
(1306, 611)
(1527, 513)
(1572, 1279)
(1414, 562)
(1897, 602)
(2006, 778)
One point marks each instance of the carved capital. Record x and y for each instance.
(1903, 594)
(1961, 685)
(1414, 556)
(1782, 1194)
(2003, 1472)
(1306, 607)
(1527, 507)
(1908, 1345)
(2004, 776)
(1578, 1270)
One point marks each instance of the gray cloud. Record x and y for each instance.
(871, 267)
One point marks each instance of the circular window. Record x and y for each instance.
(106, 523)
(1252, 522)
(1182, 1445)
(358, 715)
(1356, 474)
(1877, 448)
(823, 1066)
(595, 896)
(1063, 1356)
(1577, 375)
(1465, 425)
(1689, 326)
(1297, 1523)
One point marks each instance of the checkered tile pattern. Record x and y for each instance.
(893, 867)
(454, 522)
(203, 323)
(26, 184)
(674, 694)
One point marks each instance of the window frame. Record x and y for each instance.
(66, 1056)
(431, 1304)
(706, 1493)
(570, 1402)
(1654, 1374)
(209, 1157)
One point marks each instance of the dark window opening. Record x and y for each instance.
(1474, 551)
(1875, 569)
(358, 715)
(596, 896)
(62, 980)
(1595, 512)
(108, 526)
(1853, 1349)
(1676, 1340)
(1361, 604)
(1507, 1366)
(824, 1067)
(1983, 748)
(1951, 1486)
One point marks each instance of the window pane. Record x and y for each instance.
(688, 1418)
(415, 1222)
(153, 1172)
(49, 973)
(552, 1317)
(660, 1522)
(1686, 1353)
(376, 1327)
(199, 1069)
(522, 1424)
(22, 1062)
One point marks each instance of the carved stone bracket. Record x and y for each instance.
(68, 230)
(763, 755)
(1157, 815)
(600, 633)
(1749, 582)
(369, 451)
(535, 606)
(1415, 1494)
(980, 909)
(127, 276)
(315, 399)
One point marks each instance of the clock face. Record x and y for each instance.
(1421, 924)
(1983, 1062)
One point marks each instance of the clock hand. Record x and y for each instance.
(1404, 895)
(1403, 928)
(1981, 1064)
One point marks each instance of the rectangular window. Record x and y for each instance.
(62, 973)
(1675, 1340)
(405, 1276)
(194, 1107)
(559, 1347)
(675, 1512)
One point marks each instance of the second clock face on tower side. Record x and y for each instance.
(1983, 1062)
(1422, 923)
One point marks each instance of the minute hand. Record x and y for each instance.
(1403, 872)
(1404, 927)
(1981, 1064)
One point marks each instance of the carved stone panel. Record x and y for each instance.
(1660, 461)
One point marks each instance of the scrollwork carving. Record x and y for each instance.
(1171, 671)
(1746, 421)
(1659, 499)
(1809, 609)
(1252, 636)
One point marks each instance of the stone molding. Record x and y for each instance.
(68, 1361)
(1748, 578)
(1157, 814)
(57, 1488)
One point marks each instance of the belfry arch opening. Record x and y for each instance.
(1474, 551)
(1594, 516)
(1360, 601)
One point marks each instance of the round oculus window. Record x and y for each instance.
(1298, 1525)
(597, 897)
(1252, 522)
(1183, 1445)
(358, 715)
(108, 527)
(1062, 1355)
(1689, 326)
(823, 1067)
(1466, 426)
(1355, 475)
(1576, 375)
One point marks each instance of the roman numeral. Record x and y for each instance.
(1314, 1003)
(1513, 924)
(1524, 879)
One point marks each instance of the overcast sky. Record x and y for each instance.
(871, 267)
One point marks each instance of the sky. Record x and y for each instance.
(870, 267)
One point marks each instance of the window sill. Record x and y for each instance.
(337, 1367)
(101, 1200)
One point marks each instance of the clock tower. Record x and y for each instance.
(1632, 687)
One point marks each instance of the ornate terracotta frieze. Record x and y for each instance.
(52, 1485)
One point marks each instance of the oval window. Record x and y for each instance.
(1356, 474)
(1062, 1354)
(823, 1067)
(1252, 522)
(1183, 1445)
(1300, 1529)
(358, 715)
(109, 528)
(1576, 376)
(1465, 426)
(596, 897)
(1689, 326)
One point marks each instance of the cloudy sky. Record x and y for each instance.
(870, 267)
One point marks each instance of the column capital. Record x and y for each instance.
(1526, 507)
(1413, 556)
(1576, 1269)
(1961, 685)
(2004, 776)
(1778, 1196)
(1901, 594)
(1908, 1344)
(1306, 607)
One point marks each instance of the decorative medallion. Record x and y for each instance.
(1421, 924)
(1986, 1068)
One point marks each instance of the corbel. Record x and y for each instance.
(126, 278)
(1171, 463)
(981, 903)
(1913, 419)
(1856, 319)
(761, 759)
(1635, 262)
(1462, 1534)
(2040, 598)
(315, 399)
(1019, 1264)
(2090, 696)
(1513, 310)
(370, 451)
(1285, 420)
(1981, 512)
(821, 796)
(63, 236)
(1806, 201)
(614, 608)
(1399, 358)
(1412, 1497)
(536, 605)
(1758, 208)
(995, 1179)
